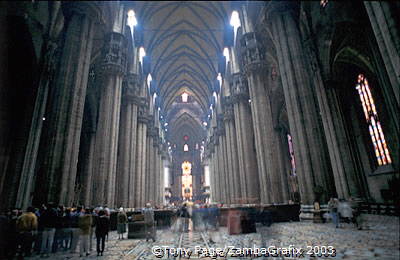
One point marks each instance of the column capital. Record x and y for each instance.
(227, 105)
(220, 125)
(253, 54)
(279, 8)
(131, 89)
(142, 110)
(239, 88)
(114, 54)
(91, 9)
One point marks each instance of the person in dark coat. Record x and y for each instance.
(102, 228)
(48, 222)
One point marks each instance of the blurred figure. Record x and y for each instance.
(345, 211)
(333, 205)
(148, 213)
(4, 222)
(122, 220)
(48, 222)
(27, 226)
(67, 234)
(184, 215)
(102, 223)
(74, 227)
(85, 223)
(11, 248)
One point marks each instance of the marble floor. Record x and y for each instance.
(379, 240)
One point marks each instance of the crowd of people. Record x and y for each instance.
(50, 229)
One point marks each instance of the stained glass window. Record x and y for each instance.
(291, 153)
(374, 125)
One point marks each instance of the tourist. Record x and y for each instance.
(67, 224)
(148, 213)
(58, 235)
(47, 222)
(85, 223)
(74, 227)
(27, 225)
(122, 220)
(345, 211)
(4, 223)
(102, 223)
(184, 216)
(333, 210)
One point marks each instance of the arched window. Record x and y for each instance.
(226, 54)
(186, 148)
(235, 21)
(184, 97)
(374, 125)
(131, 21)
(323, 3)
(142, 53)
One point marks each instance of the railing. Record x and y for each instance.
(380, 209)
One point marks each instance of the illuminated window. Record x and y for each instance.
(235, 21)
(186, 148)
(226, 54)
(186, 168)
(142, 53)
(323, 3)
(149, 79)
(374, 126)
(131, 19)
(219, 78)
(291, 153)
(185, 97)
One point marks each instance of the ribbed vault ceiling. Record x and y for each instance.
(183, 40)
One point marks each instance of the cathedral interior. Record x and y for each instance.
(252, 104)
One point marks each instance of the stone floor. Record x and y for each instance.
(379, 240)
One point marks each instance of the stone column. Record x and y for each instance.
(248, 170)
(68, 98)
(88, 165)
(24, 196)
(149, 163)
(141, 153)
(266, 138)
(233, 166)
(223, 188)
(112, 71)
(217, 163)
(313, 168)
(127, 142)
(213, 179)
(383, 18)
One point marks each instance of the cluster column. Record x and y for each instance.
(126, 173)
(309, 147)
(140, 180)
(231, 147)
(247, 162)
(383, 21)
(112, 71)
(68, 98)
(272, 187)
(222, 162)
